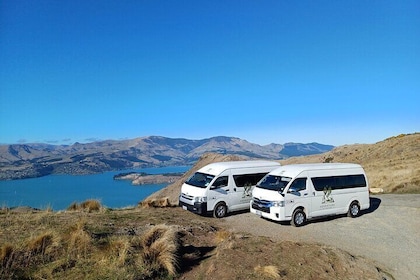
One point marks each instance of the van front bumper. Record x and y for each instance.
(271, 213)
(198, 207)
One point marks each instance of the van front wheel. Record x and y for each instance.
(354, 210)
(220, 210)
(298, 218)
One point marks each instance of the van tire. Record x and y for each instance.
(298, 218)
(220, 210)
(354, 210)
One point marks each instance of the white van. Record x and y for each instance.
(303, 191)
(223, 187)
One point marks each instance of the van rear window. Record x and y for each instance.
(339, 182)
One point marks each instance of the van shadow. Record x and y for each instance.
(374, 205)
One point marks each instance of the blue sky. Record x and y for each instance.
(333, 72)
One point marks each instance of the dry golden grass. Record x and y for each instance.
(40, 243)
(78, 241)
(392, 164)
(82, 245)
(269, 271)
(156, 203)
(6, 253)
(160, 248)
(90, 205)
(222, 235)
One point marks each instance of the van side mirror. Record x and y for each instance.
(294, 191)
(217, 187)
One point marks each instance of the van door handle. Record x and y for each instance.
(234, 189)
(305, 194)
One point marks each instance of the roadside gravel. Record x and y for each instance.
(388, 233)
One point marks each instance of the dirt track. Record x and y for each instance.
(388, 233)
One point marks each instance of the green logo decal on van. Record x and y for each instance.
(327, 195)
(247, 190)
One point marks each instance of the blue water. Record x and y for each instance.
(59, 191)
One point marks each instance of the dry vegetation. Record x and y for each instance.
(157, 243)
(94, 244)
(392, 164)
(153, 241)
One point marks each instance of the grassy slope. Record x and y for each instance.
(158, 243)
(392, 164)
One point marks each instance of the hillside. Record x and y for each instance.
(392, 164)
(159, 243)
(35, 160)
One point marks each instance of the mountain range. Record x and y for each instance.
(19, 161)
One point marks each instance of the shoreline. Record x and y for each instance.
(145, 178)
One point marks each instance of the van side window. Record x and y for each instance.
(339, 182)
(298, 185)
(220, 182)
(248, 179)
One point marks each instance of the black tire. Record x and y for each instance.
(220, 210)
(298, 218)
(354, 210)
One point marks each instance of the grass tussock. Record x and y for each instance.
(90, 205)
(76, 253)
(222, 235)
(156, 203)
(160, 247)
(78, 241)
(40, 243)
(6, 254)
(269, 271)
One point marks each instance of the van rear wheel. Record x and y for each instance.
(354, 210)
(298, 218)
(220, 210)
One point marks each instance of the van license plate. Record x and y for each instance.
(258, 212)
(184, 207)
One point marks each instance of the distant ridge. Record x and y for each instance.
(34, 160)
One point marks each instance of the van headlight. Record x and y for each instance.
(277, 203)
(200, 199)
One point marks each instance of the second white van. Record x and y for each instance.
(303, 191)
(223, 187)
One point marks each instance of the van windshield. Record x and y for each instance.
(274, 183)
(200, 180)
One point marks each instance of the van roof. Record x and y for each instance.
(218, 167)
(293, 170)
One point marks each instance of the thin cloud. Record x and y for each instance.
(92, 139)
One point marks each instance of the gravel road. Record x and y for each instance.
(388, 233)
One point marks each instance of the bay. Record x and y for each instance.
(59, 191)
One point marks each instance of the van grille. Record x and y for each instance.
(187, 197)
(261, 205)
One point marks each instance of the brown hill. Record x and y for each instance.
(392, 164)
